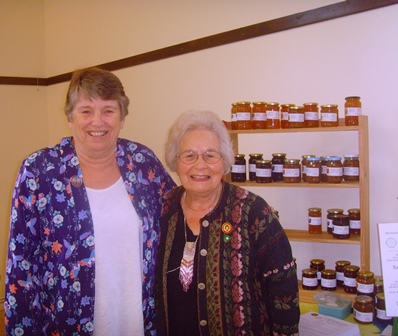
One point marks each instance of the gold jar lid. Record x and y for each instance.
(279, 154)
(255, 155)
(335, 211)
(273, 104)
(296, 108)
(317, 261)
(260, 103)
(363, 299)
(352, 268)
(263, 161)
(354, 211)
(307, 156)
(365, 275)
(243, 103)
(329, 105)
(292, 161)
(239, 155)
(380, 296)
(309, 271)
(343, 262)
(310, 104)
(328, 272)
(314, 210)
(287, 105)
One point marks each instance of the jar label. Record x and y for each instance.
(355, 224)
(353, 111)
(329, 223)
(351, 171)
(314, 172)
(252, 168)
(340, 276)
(324, 170)
(243, 115)
(259, 116)
(296, 117)
(363, 317)
(240, 169)
(365, 288)
(277, 168)
(311, 116)
(291, 172)
(263, 172)
(273, 115)
(382, 315)
(328, 116)
(334, 171)
(341, 230)
(233, 117)
(350, 282)
(315, 220)
(285, 116)
(328, 283)
(310, 282)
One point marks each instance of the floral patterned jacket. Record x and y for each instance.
(51, 253)
(247, 282)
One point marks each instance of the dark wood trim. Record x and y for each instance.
(334, 11)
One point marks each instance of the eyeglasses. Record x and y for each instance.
(191, 157)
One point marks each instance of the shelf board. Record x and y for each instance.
(308, 295)
(295, 185)
(324, 237)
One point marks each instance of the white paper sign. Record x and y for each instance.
(388, 237)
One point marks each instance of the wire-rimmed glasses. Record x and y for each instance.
(190, 157)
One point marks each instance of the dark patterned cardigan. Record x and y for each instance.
(246, 285)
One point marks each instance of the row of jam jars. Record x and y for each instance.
(347, 225)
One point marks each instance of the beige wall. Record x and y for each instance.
(325, 62)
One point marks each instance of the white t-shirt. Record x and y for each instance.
(118, 262)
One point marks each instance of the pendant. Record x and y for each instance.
(186, 267)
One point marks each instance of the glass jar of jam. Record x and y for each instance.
(304, 166)
(243, 115)
(352, 109)
(340, 266)
(341, 226)
(264, 171)
(379, 287)
(355, 221)
(329, 115)
(313, 170)
(311, 115)
(296, 117)
(259, 115)
(309, 279)
(329, 218)
(278, 159)
(238, 171)
(285, 115)
(234, 125)
(351, 168)
(253, 158)
(363, 309)
(334, 169)
(324, 176)
(315, 220)
(273, 116)
(365, 283)
(328, 280)
(291, 171)
(350, 279)
(380, 303)
(319, 266)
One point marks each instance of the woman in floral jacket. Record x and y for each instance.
(84, 224)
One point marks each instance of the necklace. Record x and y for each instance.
(212, 204)
(187, 261)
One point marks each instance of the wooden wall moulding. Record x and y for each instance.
(321, 14)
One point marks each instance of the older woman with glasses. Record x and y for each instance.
(225, 265)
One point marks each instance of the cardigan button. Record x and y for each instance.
(203, 252)
(201, 285)
(203, 323)
(205, 223)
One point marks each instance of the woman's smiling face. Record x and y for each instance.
(200, 177)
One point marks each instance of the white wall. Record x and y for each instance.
(324, 62)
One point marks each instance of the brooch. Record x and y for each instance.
(227, 228)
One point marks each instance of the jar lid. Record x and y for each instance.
(296, 108)
(343, 262)
(243, 103)
(329, 105)
(317, 261)
(273, 104)
(309, 271)
(292, 161)
(354, 211)
(352, 268)
(314, 209)
(310, 104)
(380, 296)
(353, 97)
(364, 299)
(313, 158)
(239, 155)
(365, 274)
(287, 105)
(333, 158)
(351, 156)
(260, 103)
(255, 155)
(279, 154)
(263, 161)
(307, 156)
(335, 211)
(328, 272)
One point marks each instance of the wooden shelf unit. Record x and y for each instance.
(363, 185)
